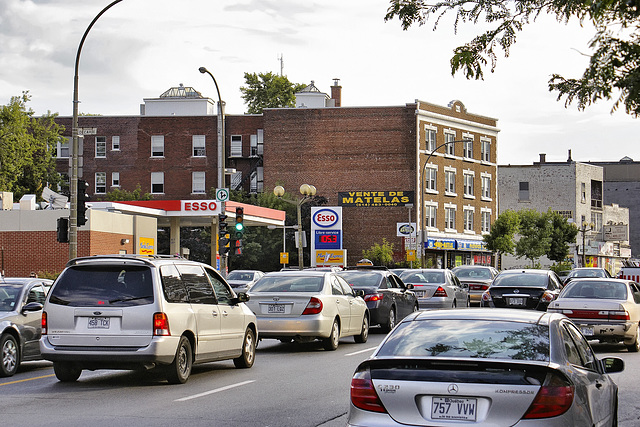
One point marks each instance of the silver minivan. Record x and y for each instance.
(143, 312)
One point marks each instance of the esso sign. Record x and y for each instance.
(202, 207)
(325, 218)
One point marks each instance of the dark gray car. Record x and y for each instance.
(21, 302)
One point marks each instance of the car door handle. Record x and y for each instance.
(598, 384)
(225, 314)
(214, 313)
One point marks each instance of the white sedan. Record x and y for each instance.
(308, 305)
(604, 309)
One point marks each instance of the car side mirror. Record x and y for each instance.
(409, 286)
(360, 293)
(612, 365)
(242, 297)
(32, 306)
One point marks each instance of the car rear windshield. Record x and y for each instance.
(361, 279)
(596, 289)
(474, 339)
(521, 279)
(289, 284)
(473, 273)
(115, 286)
(240, 275)
(423, 277)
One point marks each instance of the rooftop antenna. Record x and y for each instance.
(281, 59)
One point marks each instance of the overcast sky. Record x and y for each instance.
(140, 48)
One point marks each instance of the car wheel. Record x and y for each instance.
(180, 369)
(364, 333)
(10, 355)
(66, 372)
(331, 343)
(248, 351)
(635, 345)
(391, 322)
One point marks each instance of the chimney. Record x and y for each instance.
(336, 92)
(543, 157)
(569, 160)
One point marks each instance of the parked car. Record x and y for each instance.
(139, 312)
(586, 272)
(484, 367)
(21, 302)
(476, 278)
(306, 305)
(532, 289)
(604, 309)
(436, 288)
(387, 297)
(242, 280)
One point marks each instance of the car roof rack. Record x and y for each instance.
(134, 258)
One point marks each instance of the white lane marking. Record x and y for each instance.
(361, 351)
(206, 393)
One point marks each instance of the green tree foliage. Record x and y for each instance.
(614, 64)
(562, 232)
(535, 235)
(500, 238)
(27, 149)
(268, 90)
(380, 254)
(121, 195)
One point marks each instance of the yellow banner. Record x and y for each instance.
(147, 246)
(324, 257)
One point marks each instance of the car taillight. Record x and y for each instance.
(554, 398)
(44, 323)
(486, 296)
(478, 287)
(313, 307)
(373, 297)
(363, 393)
(594, 314)
(440, 292)
(161, 325)
(619, 315)
(547, 296)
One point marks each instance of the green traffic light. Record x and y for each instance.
(239, 226)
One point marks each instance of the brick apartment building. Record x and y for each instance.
(170, 150)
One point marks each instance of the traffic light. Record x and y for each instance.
(239, 223)
(223, 235)
(63, 230)
(82, 202)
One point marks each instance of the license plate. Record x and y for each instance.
(275, 308)
(453, 408)
(99, 322)
(419, 294)
(586, 331)
(516, 301)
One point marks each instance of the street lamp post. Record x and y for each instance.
(221, 158)
(584, 229)
(307, 191)
(73, 176)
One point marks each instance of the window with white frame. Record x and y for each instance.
(62, 149)
(198, 182)
(486, 187)
(450, 181)
(583, 192)
(198, 142)
(467, 147)
(485, 150)
(157, 182)
(468, 220)
(253, 144)
(101, 146)
(101, 182)
(430, 138)
(236, 146)
(430, 174)
(596, 219)
(450, 217)
(449, 148)
(486, 221)
(157, 145)
(430, 215)
(115, 179)
(468, 184)
(115, 143)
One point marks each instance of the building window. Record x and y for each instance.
(430, 175)
(430, 142)
(468, 220)
(101, 146)
(198, 182)
(486, 187)
(62, 151)
(198, 143)
(450, 182)
(523, 193)
(468, 184)
(115, 143)
(450, 148)
(596, 219)
(430, 215)
(486, 221)
(485, 150)
(157, 145)
(583, 192)
(236, 146)
(157, 182)
(467, 148)
(450, 217)
(596, 194)
(101, 182)
(115, 179)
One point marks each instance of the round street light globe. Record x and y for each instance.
(278, 191)
(304, 189)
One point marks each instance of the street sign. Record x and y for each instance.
(87, 131)
(222, 194)
(284, 257)
(411, 255)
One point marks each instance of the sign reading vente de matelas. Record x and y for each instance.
(404, 229)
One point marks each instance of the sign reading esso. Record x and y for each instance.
(200, 207)
(325, 218)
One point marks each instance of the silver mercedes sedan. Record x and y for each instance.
(496, 367)
(305, 305)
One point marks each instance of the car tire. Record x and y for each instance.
(391, 320)
(634, 347)
(248, 351)
(66, 372)
(10, 355)
(331, 343)
(179, 370)
(364, 332)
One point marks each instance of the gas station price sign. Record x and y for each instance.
(328, 239)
